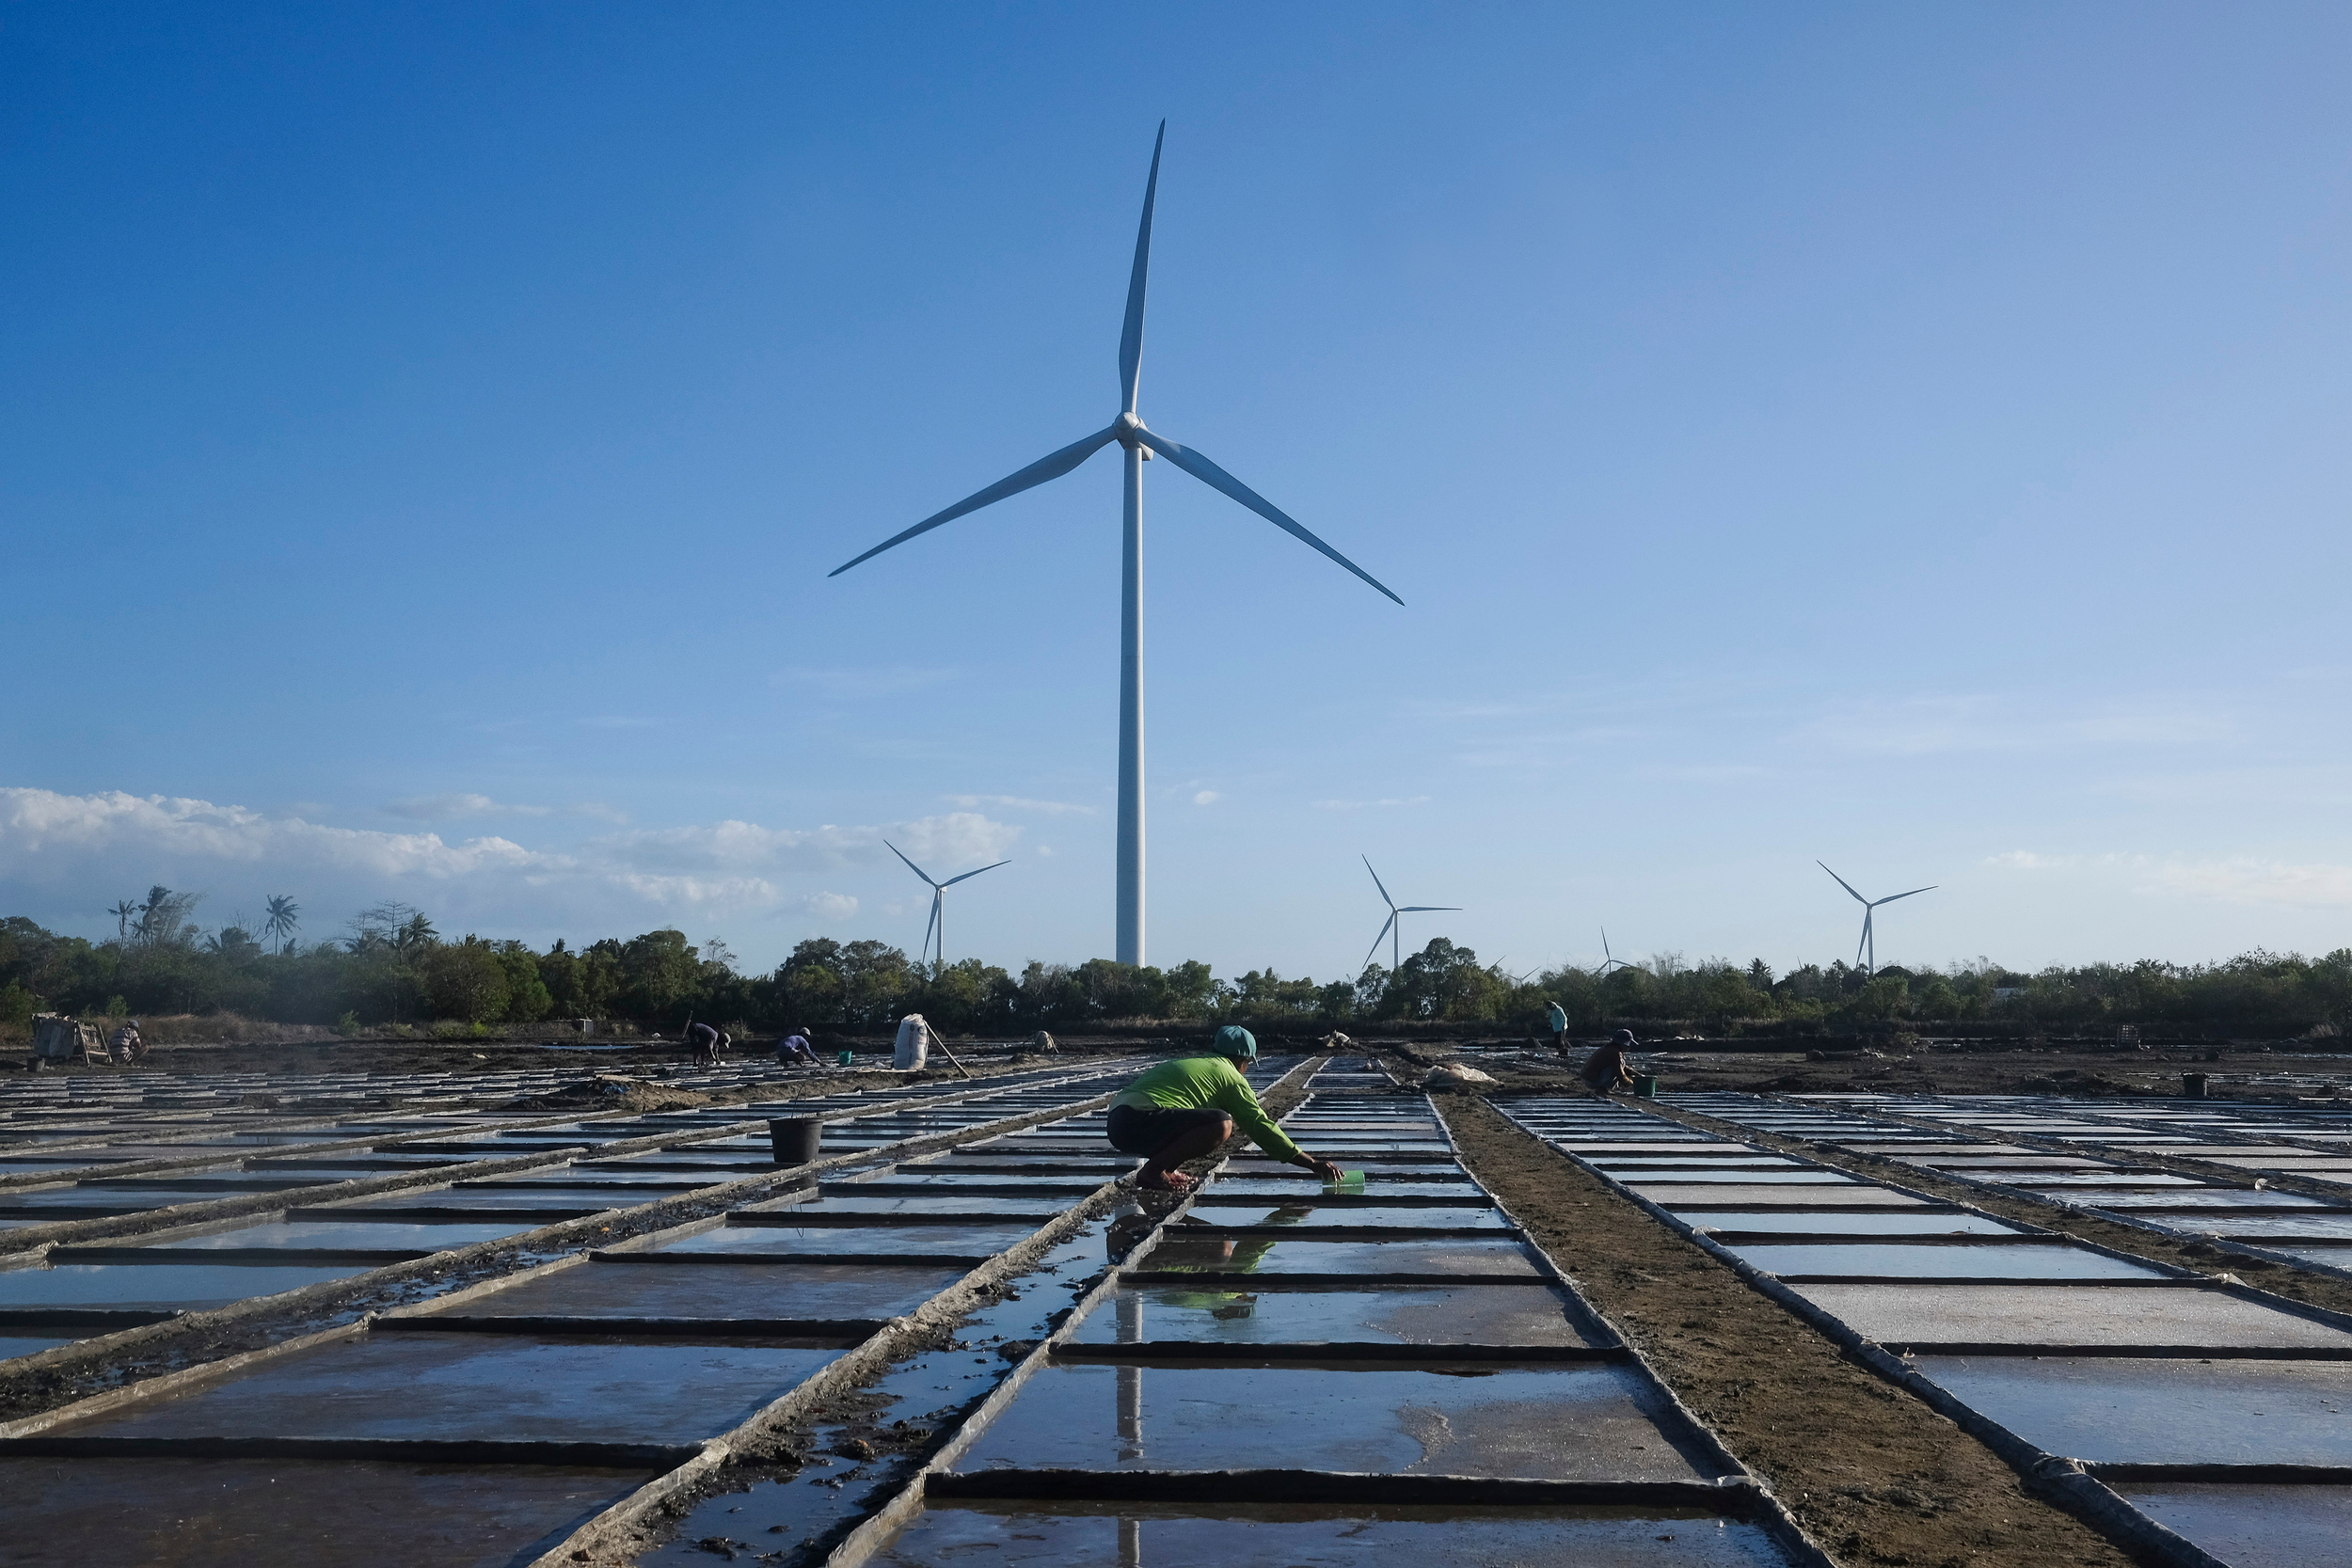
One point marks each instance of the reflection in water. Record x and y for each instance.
(1130, 1383)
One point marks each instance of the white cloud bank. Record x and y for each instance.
(65, 857)
(2227, 879)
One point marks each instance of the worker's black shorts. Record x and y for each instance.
(1135, 1130)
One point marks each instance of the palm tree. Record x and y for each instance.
(284, 914)
(125, 912)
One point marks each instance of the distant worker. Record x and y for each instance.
(794, 1047)
(913, 1046)
(1556, 1019)
(1606, 1070)
(128, 1045)
(707, 1042)
(1182, 1109)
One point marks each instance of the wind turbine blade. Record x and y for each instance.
(1037, 474)
(1378, 940)
(1604, 947)
(1430, 908)
(911, 865)
(1381, 885)
(1131, 334)
(953, 880)
(1847, 885)
(1866, 927)
(928, 925)
(1215, 478)
(1890, 898)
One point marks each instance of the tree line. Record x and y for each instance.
(392, 965)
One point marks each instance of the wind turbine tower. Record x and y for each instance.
(937, 924)
(1140, 444)
(1870, 942)
(1394, 929)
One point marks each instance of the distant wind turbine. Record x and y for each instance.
(1141, 443)
(1394, 929)
(938, 921)
(1870, 940)
(1610, 961)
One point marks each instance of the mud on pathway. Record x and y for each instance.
(1873, 1474)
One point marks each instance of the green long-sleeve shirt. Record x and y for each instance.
(1189, 1081)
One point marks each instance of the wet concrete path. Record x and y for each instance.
(1276, 1374)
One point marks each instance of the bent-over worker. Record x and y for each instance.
(1556, 1019)
(1184, 1107)
(1606, 1070)
(128, 1044)
(794, 1047)
(707, 1042)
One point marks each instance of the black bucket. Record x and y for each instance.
(2193, 1085)
(795, 1138)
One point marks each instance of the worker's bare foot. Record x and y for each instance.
(1164, 1181)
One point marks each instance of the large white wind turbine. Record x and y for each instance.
(1610, 961)
(938, 921)
(1141, 443)
(1869, 939)
(1394, 929)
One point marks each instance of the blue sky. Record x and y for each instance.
(1910, 438)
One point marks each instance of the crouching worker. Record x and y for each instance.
(1182, 1109)
(1606, 1070)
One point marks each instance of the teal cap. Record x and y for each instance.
(1235, 1040)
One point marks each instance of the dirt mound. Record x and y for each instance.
(610, 1094)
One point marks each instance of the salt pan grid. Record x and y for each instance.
(2182, 1411)
(497, 1424)
(1278, 1374)
(256, 1220)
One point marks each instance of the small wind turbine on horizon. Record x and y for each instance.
(938, 921)
(1394, 929)
(1610, 961)
(1869, 939)
(1141, 443)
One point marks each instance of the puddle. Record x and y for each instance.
(481, 1386)
(2017, 1261)
(321, 1513)
(13, 1345)
(1411, 1315)
(1557, 1423)
(2254, 1527)
(1799, 1223)
(718, 1289)
(1258, 1254)
(952, 1241)
(2105, 1315)
(157, 1285)
(2167, 1411)
(1370, 1215)
(1700, 1195)
(371, 1235)
(1028, 1536)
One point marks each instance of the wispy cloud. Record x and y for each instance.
(2228, 879)
(830, 906)
(458, 807)
(451, 808)
(1206, 798)
(1372, 805)
(2249, 880)
(1015, 802)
